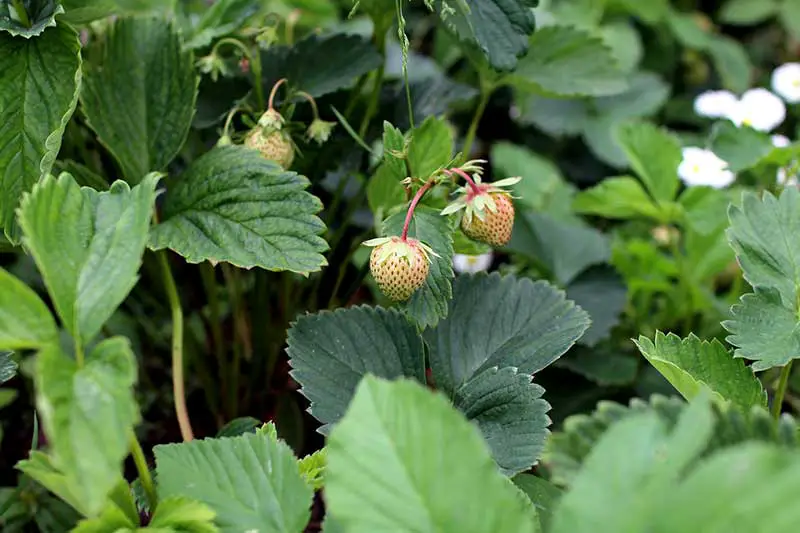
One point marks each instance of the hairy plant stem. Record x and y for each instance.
(19, 7)
(780, 392)
(468, 179)
(410, 214)
(144, 473)
(486, 92)
(274, 92)
(178, 388)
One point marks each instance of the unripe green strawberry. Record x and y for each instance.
(275, 146)
(488, 212)
(399, 266)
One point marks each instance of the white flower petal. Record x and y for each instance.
(780, 141)
(703, 167)
(786, 82)
(472, 264)
(759, 109)
(715, 104)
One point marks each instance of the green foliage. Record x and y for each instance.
(139, 96)
(40, 79)
(222, 17)
(8, 367)
(430, 148)
(396, 431)
(654, 155)
(37, 17)
(250, 482)
(532, 325)
(741, 147)
(691, 365)
(543, 494)
(232, 205)
(90, 263)
(25, 321)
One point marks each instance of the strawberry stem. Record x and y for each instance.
(417, 197)
(274, 91)
(310, 101)
(473, 186)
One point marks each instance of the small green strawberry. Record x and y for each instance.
(269, 138)
(400, 266)
(488, 211)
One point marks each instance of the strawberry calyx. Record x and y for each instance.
(476, 197)
(406, 248)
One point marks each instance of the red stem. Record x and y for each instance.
(475, 189)
(274, 91)
(420, 193)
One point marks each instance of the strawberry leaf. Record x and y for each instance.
(25, 320)
(233, 205)
(430, 303)
(8, 367)
(39, 80)
(139, 94)
(40, 15)
(501, 322)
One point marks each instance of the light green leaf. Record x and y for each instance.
(119, 514)
(768, 475)
(691, 364)
(223, 17)
(499, 28)
(625, 43)
(567, 61)
(764, 330)
(88, 433)
(402, 432)
(312, 468)
(40, 79)
(654, 154)
(25, 320)
(618, 197)
(8, 367)
(38, 16)
(763, 234)
(543, 494)
(511, 414)
(541, 178)
(83, 11)
(529, 326)
(732, 62)
(789, 15)
(747, 12)
(705, 208)
(384, 190)
(251, 482)
(555, 116)
(431, 147)
(40, 468)
(233, 205)
(331, 351)
(741, 147)
(646, 94)
(430, 302)
(181, 514)
(601, 292)
(321, 64)
(88, 245)
(563, 248)
(140, 97)
(651, 12)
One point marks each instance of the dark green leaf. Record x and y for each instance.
(239, 426)
(321, 64)
(8, 367)
(691, 364)
(40, 468)
(565, 249)
(40, 15)
(748, 12)
(764, 330)
(566, 61)
(88, 434)
(543, 494)
(251, 482)
(331, 351)
(39, 79)
(789, 15)
(25, 320)
(511, 414)
(88, 245)
(83, 11)
(84, 176)
(654, 154)
(223, 17)
(732, 62)
(555, 116)
(384, 190)
(403, 432)
(541, 178)
(602, 293)
(430, 303)
(499, 28)
(764, 233)
(618, 197)
(741, 147)
(431, 147)
(602, 365)
(233, 205)
(501, 322)
(140, 99)
(706, 208)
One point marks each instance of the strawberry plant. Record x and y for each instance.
(303, 265)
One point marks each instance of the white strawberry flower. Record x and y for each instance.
(702, 167)
(786, 82)
(472, 264)
(759, 109)
(780, 141)
(715, 104)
